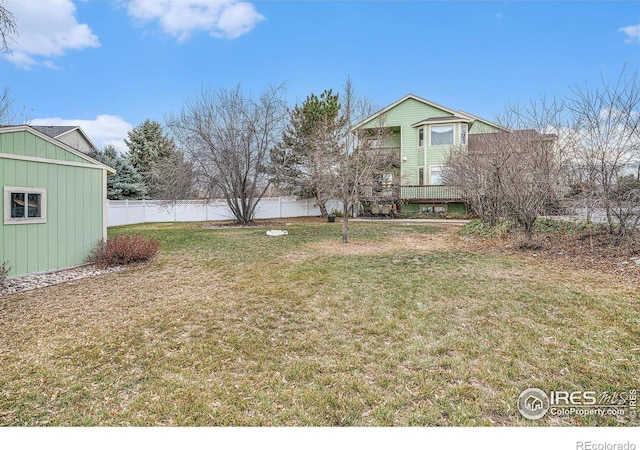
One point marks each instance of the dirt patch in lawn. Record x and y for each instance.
(446, 238)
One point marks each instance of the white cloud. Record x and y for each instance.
(179, 18)
(46, 29)
(103, 130)
(632, 32)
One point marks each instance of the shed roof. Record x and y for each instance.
(53, 140)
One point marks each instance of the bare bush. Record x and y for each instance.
(514, 173)
(4, 272)
(122, 250)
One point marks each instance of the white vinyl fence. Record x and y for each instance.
(126, 212)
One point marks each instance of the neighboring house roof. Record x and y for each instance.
(70, 135)
(483, 142)
(53, 131)
(55, 141)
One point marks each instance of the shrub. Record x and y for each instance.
(476, 227)
(4, 271)
(124, 249)
(546, 225)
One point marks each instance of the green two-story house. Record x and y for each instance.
(422, 134)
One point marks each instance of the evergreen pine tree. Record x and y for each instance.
(127, 183)
(149, 145)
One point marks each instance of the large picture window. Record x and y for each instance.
(442, 135)
(24, 205)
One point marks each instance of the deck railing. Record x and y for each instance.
(390, 153)
(433, 192)
(429, 192)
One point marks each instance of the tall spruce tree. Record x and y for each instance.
(304, 162)
(148, 146)
(127, 183)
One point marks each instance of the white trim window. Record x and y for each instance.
(463, 133)
(25, 205)
(441, 134)
(420, 137)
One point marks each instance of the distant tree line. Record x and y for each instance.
(240, 146)
(153, 168)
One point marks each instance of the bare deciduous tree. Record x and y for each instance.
(228, 137)
(173, 179)
(6, 115)
(514, 173)
(7, 27)
(358, 156)
(606, 128)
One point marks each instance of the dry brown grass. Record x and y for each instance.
(404, 326)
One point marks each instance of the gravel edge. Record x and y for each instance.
(24, 283)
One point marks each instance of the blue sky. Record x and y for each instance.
(107, 65)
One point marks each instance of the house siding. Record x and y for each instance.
(76, 140)
(74, 203)
(404, 115)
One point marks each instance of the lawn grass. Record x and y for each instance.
(406, 325)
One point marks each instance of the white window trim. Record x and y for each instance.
(8, 190)
(464, 128)
(424, 138)
(453, 133)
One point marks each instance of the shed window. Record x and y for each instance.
(24, 205)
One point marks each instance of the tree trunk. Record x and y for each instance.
(322, 204)
(528, 234)
(345, 223)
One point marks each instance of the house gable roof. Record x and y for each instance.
(403, 99)
(46, 137)
(449, 116)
